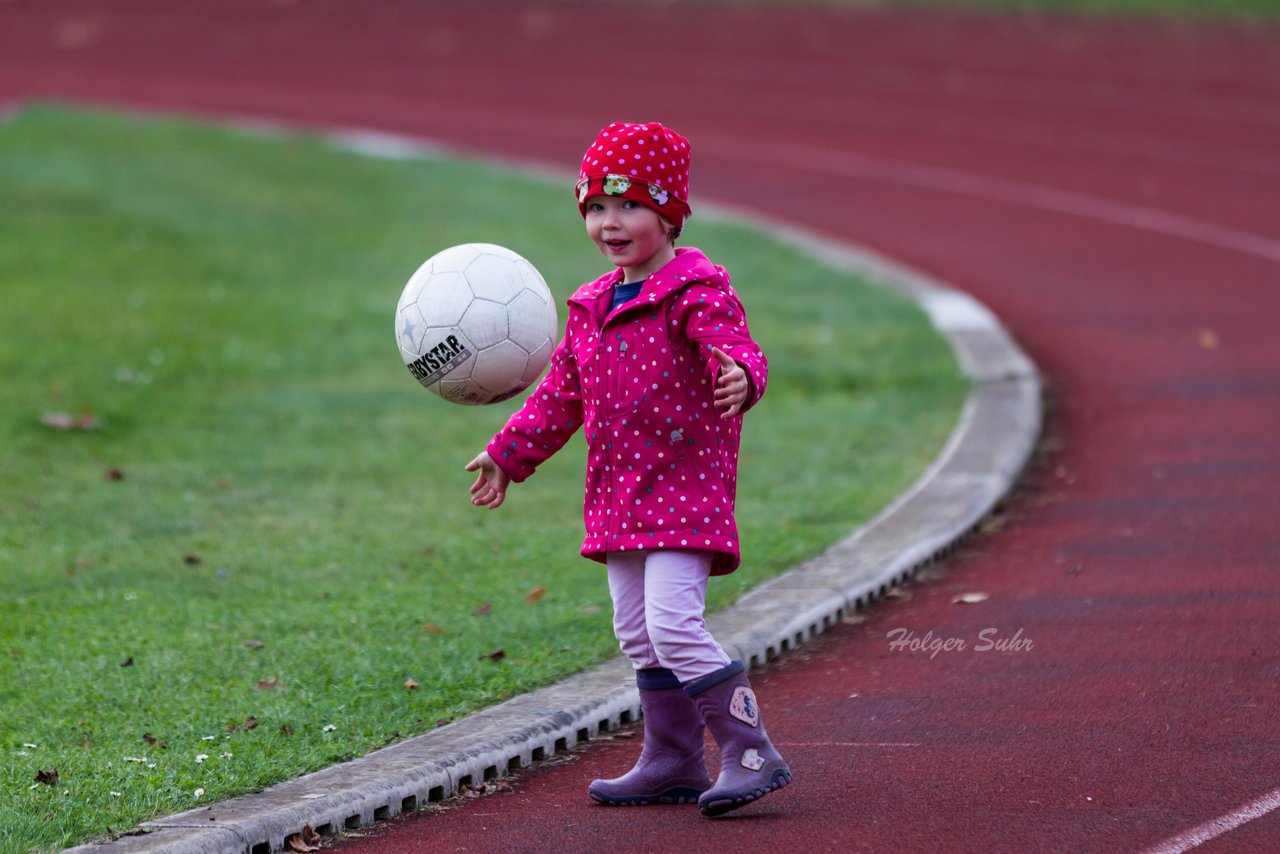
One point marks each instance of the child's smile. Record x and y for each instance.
(630, 235)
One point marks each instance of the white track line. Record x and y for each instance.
(959, 182)
(1123, 98)
(846, 744)
(1043, 90)
(939, 124)
(1215, 827)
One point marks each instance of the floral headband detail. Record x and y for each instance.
(648, 164)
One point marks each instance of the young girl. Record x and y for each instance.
(656, 366)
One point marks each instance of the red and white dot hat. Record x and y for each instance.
(646, 163)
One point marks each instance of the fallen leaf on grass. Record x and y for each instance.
(154, 742)
(267, 684)
(191, 559)
(534, 595)
(483, 610)
(496, 655)
(969, 598)
(65, 421)
(410, 683)
(248, 723)
(433, 629)
(49, 777)
(114, 474)
(254, 644)
(128, 662)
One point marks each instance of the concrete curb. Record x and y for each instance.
(983, 457)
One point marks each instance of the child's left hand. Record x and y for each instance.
(731, 386)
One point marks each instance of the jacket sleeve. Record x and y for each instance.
(549, 417)
(711, 317)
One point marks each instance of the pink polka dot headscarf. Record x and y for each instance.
(648, 164)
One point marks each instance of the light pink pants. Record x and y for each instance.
(658, 603)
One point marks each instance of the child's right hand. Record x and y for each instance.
(490, 488)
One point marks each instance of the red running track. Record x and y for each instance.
(1110, 188)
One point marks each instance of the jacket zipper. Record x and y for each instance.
(614, 528)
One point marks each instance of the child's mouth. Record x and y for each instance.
(617, 245)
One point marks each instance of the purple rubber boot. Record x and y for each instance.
(750, 768)
(671, 768)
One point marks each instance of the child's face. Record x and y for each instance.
(630, 235)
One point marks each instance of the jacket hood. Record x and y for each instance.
(690, 265)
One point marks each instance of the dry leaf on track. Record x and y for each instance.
(304, 841)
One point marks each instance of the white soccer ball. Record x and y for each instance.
(476, 324)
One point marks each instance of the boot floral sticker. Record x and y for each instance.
(752, 760)
(658, 194)
(743, 706)
(616, 185)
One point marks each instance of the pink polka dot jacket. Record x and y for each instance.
(662, 465)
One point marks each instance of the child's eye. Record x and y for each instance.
(630, 205)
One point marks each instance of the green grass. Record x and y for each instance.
(290, 505)
(1196, 8)
(1232, 9)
